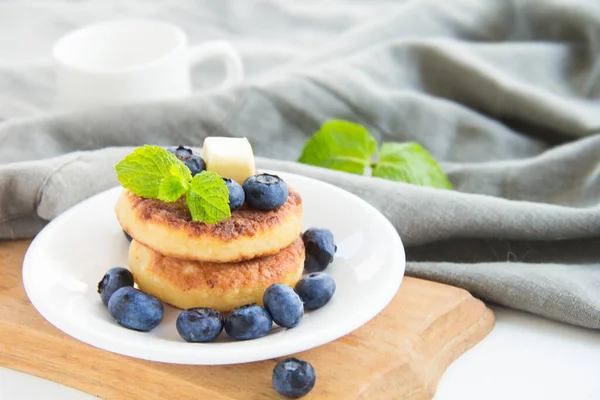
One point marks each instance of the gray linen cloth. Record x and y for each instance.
(506, 94)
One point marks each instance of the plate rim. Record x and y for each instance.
(75, 331)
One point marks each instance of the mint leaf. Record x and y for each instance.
(409, 162)
(152, 172)
(340, 145)
(171, 188)
(208, 198)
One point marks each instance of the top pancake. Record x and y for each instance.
(168, 229)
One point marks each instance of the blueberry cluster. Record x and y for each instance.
(283, 305)
(129, 306)
(262, 191)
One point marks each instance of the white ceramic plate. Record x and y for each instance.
(67, 259)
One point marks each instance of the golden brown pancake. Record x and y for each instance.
(223, 286)
(168, 228)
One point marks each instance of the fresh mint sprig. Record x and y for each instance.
(152, 172)
(349, 147)
(411, 163)
(340, 145)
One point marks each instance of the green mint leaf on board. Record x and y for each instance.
(152, 172)
(409, 162)
(340, 145)
(208, 198)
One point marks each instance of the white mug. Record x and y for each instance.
(125, 61)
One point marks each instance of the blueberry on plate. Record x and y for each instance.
(127, 236)
(113, 280)
(265, 191)
(193, 161)
(199, 325)
(248, 322)
(284, 305)
(236, 194)
(293, 377)
(320, 249)
(315, 289)
(135, 309)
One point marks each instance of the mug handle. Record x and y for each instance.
(224, 51)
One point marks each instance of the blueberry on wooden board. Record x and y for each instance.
(293, 378)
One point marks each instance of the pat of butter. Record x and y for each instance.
(229, 157)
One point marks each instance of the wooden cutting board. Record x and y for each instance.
(400, 354)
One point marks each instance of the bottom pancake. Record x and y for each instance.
(222, 286)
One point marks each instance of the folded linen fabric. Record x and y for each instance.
(506, 94)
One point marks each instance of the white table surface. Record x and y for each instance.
(524, 357)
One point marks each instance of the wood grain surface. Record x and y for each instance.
(400, 354)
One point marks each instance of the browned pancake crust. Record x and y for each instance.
(193, 275)
(222, 286)
(243, 222)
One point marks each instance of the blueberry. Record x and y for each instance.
(284, 305)
(315, 289)
(320, 249)
(248, 322)
(181, 152)
(127, 235)
(135, 309)
(265, 192)
(199, 324)
(115, 279)
(293, 377)
(193, 161)
(236, 194)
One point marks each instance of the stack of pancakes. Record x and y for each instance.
(222, 266)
